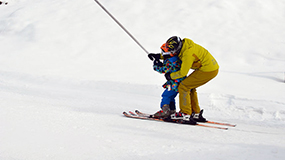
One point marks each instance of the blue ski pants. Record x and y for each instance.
(168, 97)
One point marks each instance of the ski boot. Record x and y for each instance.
(183, 117)
(165, 112)
(198, 117)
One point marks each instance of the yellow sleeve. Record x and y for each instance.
(187, 61)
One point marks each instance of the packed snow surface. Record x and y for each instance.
(68, 71)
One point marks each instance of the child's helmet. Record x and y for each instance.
(174, 45)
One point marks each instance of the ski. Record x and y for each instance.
(221, 123)
(132, 115)
(142, 114)
(210, 122)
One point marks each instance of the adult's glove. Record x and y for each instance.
(153, 56)
(167, 76)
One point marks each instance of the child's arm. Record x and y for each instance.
(163, 67)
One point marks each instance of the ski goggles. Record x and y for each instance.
(165, 51)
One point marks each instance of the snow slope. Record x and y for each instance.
(68, 71)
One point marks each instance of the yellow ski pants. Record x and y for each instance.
(188, 100)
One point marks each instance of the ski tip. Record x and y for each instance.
(224, 128)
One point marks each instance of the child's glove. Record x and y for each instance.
(157, 63)
(167, 76)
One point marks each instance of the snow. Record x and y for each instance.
(68, 71)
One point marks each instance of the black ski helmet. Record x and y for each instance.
(174, 45)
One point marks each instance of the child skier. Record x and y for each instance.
(171, 63)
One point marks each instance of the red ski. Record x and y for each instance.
(133, 115)
(211, 122)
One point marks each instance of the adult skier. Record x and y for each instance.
(205, 66)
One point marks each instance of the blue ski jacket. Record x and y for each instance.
(171, 64)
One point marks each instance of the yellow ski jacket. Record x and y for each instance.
(194, 56)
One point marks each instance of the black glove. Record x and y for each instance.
(167, 76)
(157, 63)
(155, 56)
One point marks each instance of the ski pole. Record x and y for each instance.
(120, 25)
